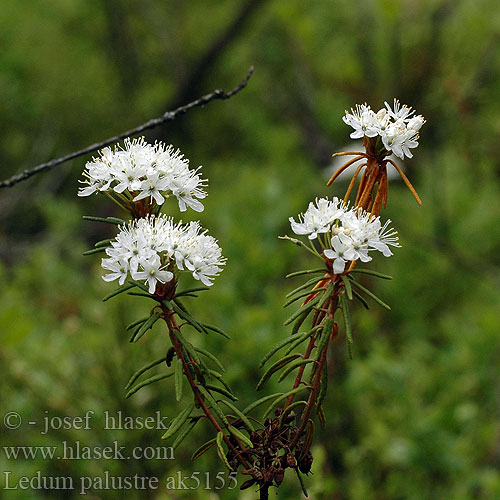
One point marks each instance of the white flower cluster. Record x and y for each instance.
(145, 171)
(353, 233)
(149, 248)
(397, 126)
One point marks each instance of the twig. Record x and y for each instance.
(155, 122)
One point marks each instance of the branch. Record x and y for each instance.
(153, 123)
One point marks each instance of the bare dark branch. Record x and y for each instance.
(155, 122)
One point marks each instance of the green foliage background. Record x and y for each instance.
(415, 415)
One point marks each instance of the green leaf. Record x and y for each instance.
(94, 250)
(148, 324)
(274, 368)
(189, 347)
(305, 285)
(325, 296)
(299, 341)
(298, 323)
(240, 414)
(307, 271)
(202, 449)
(373, 273)
(324, 337)
(292, 366)
(301, 295)
(302, 310)
(210, 356)
(279, 346)
(281, 398)
(220, 449)
(215, 329)
(347, 323)
(301, 481)
(178, 379)
(323, 386)
(136, 323)
(116, 292)
(186, 317)
(239, 435)
(142, 370)
(191, 290)
(185, 432)
(307, 439)
(361, 299)
(108, 220)
(103, 243)
(178, 421)
(370, 294)
(213, 404)
(146, 382)
(348, 287)
(222, 391)
(289, 409)
(261, 401)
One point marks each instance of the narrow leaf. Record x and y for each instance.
(274, 368)
(142, 370)
(260, 401)
(348, 287)
(136, 323)
(185, 432)
(279, 346)
(324, 337)
(370, 294)
(361, 299)
(323, 385)
(191, 290)
(216, 330)
(108, 220)
(289, 409)
(240, 414)
(220, 449)
(305, 285)
(347, 323)
(146, 382)
(222, 391)
(178, 421)
(146, 326)
(292, 366)
(122, 289)
(239, 435)
(302, 310)
(95, 250)
(307, 271)
(301, 481)
(301, 295)
(103, 243)
(178, 379)
(202, 449)
(210, 356)
(213, 404)
(281, 398)
(373, 273)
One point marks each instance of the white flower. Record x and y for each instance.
(152, 272)
(145, 171)
(337, 254)
(149, 249)
(363, 120)
(319, 217)
(397, 126)
(352, 233)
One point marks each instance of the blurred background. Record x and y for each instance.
(415, 415)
